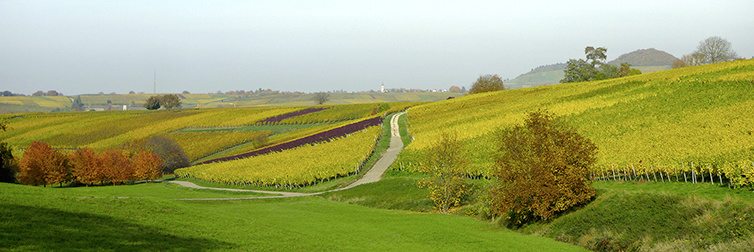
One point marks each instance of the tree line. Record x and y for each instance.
(43, 165)
(168, 101)
(145, 159)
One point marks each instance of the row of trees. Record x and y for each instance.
(43, 165)
(594, 67)
(711, 50)
(167, 101)
(542, 168)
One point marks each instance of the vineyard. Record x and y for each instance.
(308, 140)
(200, 132)
(305, 165)
(657, 124)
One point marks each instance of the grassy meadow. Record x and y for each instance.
(127, 218)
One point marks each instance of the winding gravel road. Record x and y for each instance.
(373, 175)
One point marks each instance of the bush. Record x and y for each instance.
(487, 83)
(542, 168)
(446, 164)
(172, 155)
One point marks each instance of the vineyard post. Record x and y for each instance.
(646, 173)
(676, 174)
(611, 167)
(711, 180)
(693, 174)
(661, 178)
(632, 168)
(603, 174)
(653, 172)
(719, 176)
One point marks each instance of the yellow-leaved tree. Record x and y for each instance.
(446, 163)
(542, 168)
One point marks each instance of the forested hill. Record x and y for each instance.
(645, 57)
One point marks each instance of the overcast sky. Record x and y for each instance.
(79, 47)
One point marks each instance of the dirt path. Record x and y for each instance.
(373, 175)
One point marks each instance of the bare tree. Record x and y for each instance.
(693, 59)
(321, 97)
(715, 50)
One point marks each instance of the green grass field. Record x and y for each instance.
(112, 218)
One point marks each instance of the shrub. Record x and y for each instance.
(446, 163)
(487, 83)
(542, 168)
(172, 155)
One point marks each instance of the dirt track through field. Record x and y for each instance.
(373, 175)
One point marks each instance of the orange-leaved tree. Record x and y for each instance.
(542, 168)
(43, 165)
(116, 166)
(147, 166)
(86, 166)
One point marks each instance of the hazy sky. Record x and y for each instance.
(78, 47)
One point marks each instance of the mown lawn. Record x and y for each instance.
(113, 218)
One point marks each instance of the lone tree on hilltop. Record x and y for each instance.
(487, 83)
(542, 168)
(321, 97)
(711, 50)
(716, 50)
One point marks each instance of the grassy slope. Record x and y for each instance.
(660, 216)
(35, 218)
(689, 114)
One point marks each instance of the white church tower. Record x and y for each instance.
(382, 88)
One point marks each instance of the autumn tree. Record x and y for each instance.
(146, 166)
(321, 97)
(446, 164)
(43, 165)
(116, 166)
(87, 167)
(455, 89)
(542, 168)
(487, 83)
(170, 101)
(152, 103)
